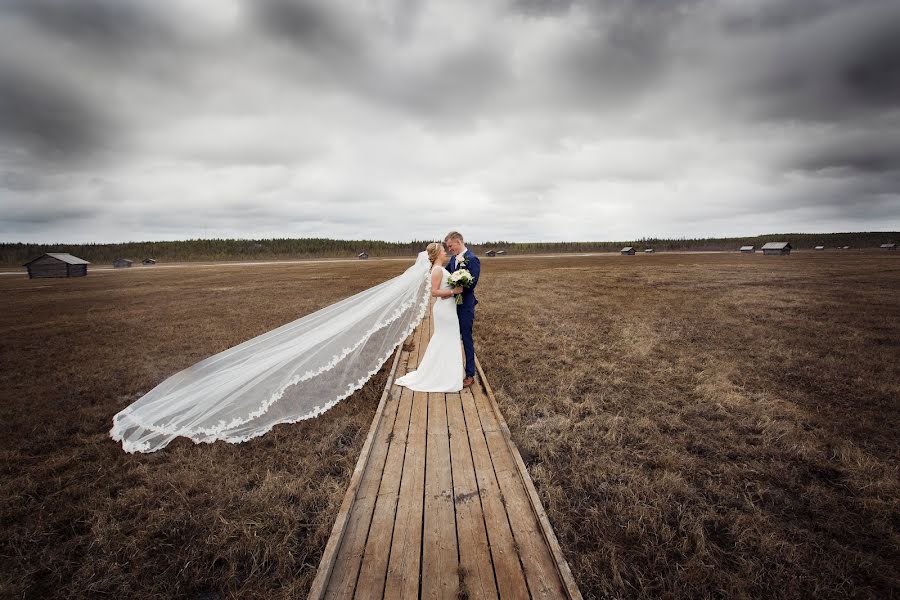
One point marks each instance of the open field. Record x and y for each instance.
(696, 425)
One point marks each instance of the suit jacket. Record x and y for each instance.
(474, 266)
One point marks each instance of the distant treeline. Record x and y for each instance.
(12, 255)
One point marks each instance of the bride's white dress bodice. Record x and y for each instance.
(441, 367)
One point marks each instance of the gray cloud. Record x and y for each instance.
(545, 120)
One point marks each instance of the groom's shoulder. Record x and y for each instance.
(470, 254)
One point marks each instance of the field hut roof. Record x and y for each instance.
(491, 252)
(820, 247)
(746, 248)
(777, 246)
(627, 249)
(63, 256)
(889, 246)
(501, 252)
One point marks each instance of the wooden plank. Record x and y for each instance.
(507, 567)
(329, 556)
(439, 550)
(378, 545)
(373, 572)
(346, 567)
(476, 572)
(550, 542)
(402, 579)
(406, 546)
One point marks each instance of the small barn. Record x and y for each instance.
(889, 247)
(845, 247)
(648, 250)
(148, 261)
(777, 248)
(628, 250)
(491, 253)
(121, 263)
(748, 249)
(819, 248)
(56, 264)
(501, 252)
(362, 255)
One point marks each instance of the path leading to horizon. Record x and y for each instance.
(440, 504)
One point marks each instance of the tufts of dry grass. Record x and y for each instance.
(696, 426)
(80, 518)
(718, 426)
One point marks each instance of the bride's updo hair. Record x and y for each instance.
(434, 250)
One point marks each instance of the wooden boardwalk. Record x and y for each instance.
(440, 504)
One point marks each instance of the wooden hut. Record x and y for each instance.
(748, 249)
(121, 263)
(648, 250)
(819, 248)
(777, 248)
(889, 247)
(491, 253)
(845, 247)
(629, 250)
(148, 261)
(362, 255)
(501, 252)
(56, 264)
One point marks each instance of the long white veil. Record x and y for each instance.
(294, 372)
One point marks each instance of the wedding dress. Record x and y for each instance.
(441, 368)
(294, 372)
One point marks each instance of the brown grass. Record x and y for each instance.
(696, 426)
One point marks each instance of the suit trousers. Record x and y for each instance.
(466, 316)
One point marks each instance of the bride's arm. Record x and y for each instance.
(436, 275)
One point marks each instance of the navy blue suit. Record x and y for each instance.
(466, 310)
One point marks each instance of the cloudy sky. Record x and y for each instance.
(396, 119)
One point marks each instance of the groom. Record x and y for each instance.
(463, 258)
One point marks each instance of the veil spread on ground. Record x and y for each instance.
(292, 373)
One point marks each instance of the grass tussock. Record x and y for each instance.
(696, 426)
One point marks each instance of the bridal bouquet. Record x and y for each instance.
(461, 277)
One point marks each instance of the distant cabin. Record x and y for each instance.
(889, 247)
(121, 263)
(362, 255)
(820, 248)
(748, 249)
(501, 252)
(628, 250)
(56, 264)
(148, 261)
(777, 248)
(648, 250)
(845, 247)
(491, 253)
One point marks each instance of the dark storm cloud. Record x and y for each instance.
(48, 117)
(372, 58)
(106, 24)
(322, 35)
(845, 64)
(778, 16)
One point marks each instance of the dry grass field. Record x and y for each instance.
(697, 425)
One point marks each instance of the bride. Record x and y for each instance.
(441, 368)
(303, 368)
